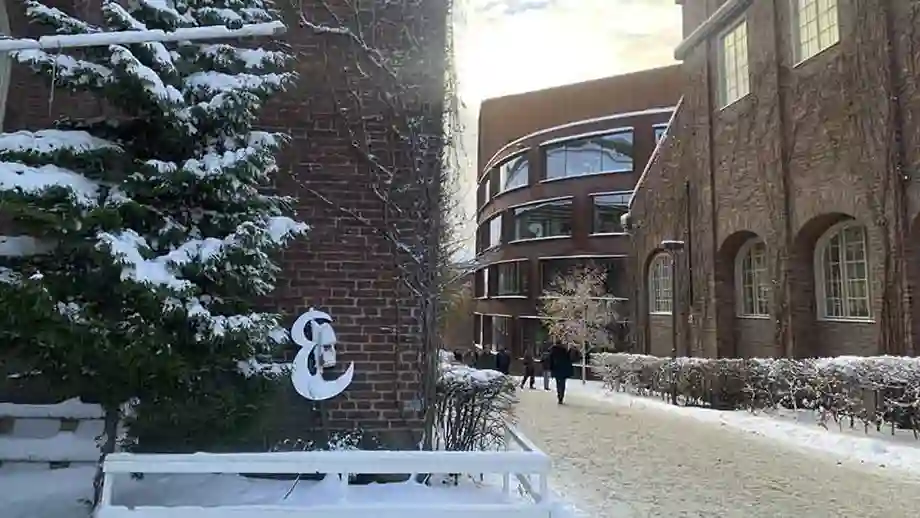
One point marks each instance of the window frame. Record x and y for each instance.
(724, 101)
(513, 210)
(593, 197)
(494, 242)
(820, 274)
(521, 278)
(741, 309)
(653, 294)
(6, 63)
(798, 54)
(563, 143)
(500, 168)
(663, 127)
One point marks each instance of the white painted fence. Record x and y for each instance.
(524, 464)
(56, 435)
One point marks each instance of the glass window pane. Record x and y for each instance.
(543, 220)
(608, 209)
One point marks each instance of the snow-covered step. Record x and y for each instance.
(69, 409)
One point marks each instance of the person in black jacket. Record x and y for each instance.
(503, 361)
(530, 370)
(544, 364)
(560, 364)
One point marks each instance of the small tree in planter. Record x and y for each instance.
(577, 311)
(143, 239)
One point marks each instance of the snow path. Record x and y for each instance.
(616, 461)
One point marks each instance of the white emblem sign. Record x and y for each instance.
(314, 334)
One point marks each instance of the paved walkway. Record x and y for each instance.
(614, 461)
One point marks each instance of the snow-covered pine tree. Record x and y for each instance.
(138, 243)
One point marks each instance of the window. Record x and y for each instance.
(485, 282)
(735, 82)
(659, 285)
(477, 328)
(547, 219)
(535, 338)
(479, 283)
(512, 278)
(660, 130)
(816, 27)
(608, 208)
(752, 280)
(842, 273)
(615, 267)
(501, 332)
(611, 153)
(514, 173)
(487, 190)
(495, 231)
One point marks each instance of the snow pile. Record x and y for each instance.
(473, 406)
(873, 391)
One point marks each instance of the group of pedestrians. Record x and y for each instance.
(555, 362)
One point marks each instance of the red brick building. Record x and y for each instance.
(556, 170)
(337, 117)
(791, 175)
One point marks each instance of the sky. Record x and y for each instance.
(505, 47)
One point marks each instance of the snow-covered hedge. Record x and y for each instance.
(473, 406)
(877, 391)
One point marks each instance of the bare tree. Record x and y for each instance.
(577, 310)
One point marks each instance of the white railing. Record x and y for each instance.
(340, 464)
(515, 439)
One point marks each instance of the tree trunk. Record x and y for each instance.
(112, 416)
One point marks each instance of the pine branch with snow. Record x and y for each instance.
(142, 241)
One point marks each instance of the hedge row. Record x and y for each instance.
(473, 406)
(876, 391)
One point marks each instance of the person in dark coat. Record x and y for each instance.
(530, 370)
(503, 361)
(544, 363)
(560, 363)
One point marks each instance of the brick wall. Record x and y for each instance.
(814, 143)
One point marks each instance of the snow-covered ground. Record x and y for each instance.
(61, 493)
(622, 456)
(801, 429)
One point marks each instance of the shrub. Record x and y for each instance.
(473, 406)
(875, 390)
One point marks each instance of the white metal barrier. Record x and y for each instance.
(340, 463)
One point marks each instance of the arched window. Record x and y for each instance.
(752, 280)
(659, 285)
(842, 272)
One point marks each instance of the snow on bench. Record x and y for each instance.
(335, 464)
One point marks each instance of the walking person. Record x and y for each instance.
(544, 363)
(530, 370)
(503, 361)
(560, 362)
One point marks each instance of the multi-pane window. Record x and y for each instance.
(660, 130)
(735, 79)
(513, 173)
(495, 231)
(512, 278)
(816, 26)
(659, 285)
(753, 281)
(610, 153)
(547, 219)
(844, 274)
(608, 209)
(613, 267)
(487, 190)
(501, 332)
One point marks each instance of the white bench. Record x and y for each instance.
(332, 463)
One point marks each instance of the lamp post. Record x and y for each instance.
(673, 248)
